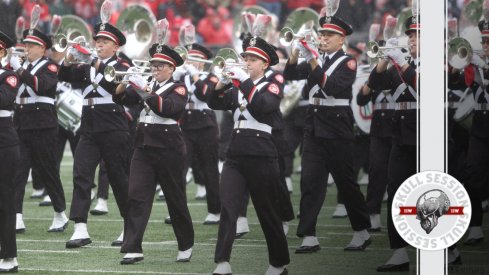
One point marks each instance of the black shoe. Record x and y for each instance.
(360, 247)
(45, 203)
(307, 249)
(168, 220)
(20, 231)
(285, 272)
(59, 229)
(116, 243)
(472, 242)
(393, 267)
(378, 229)
(96, 212)
(14, 269)
(211, 222)
(78, 243)
(222, 274)
(131, 260)
(239, 235)
(36, 196)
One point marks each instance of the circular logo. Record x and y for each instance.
(431, 210)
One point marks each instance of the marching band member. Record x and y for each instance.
(400, 79)
(380, 147)
(9, 146)
(159, 155)
(103, 132)
(251, 163)
(328, 134)
(200, 131)
(37, 124)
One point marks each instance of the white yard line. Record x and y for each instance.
(46, 251)
(109, 271)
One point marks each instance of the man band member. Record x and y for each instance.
(9, 149)
(328, 134)
(251, 163)
(103, 132)
(159, 154)
(37, 124)
(400, 79)
(200, 131)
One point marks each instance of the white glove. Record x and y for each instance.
(392, 42)
(397, 56)
(137, 81)
(239, 74)
(223, 78)
(15, 63)
(297, 46)
(179, 73)
(191, 70)
(307, 55)
(478, 61)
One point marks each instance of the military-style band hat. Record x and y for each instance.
(163, 53)
(334, 24)
(484, 28)
(412, 24)
(5, 41)
(109, 31)
(199, 51)
(259, 47)
(35, 36)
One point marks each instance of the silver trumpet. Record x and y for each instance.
(184, 54)
(61, 42)
(111, 75)
(12, 52)
(376, 51)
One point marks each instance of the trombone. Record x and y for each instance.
(111, 75)
(184, 54)
(376, 51)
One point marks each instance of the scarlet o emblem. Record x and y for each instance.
(53, 68)
(352, 65)
(273, 88)
(180, 90)
(12, 81)
(279, 78)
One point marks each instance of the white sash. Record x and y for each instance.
(95, 79)
(329, 71)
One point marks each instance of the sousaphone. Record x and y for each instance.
(73, 26)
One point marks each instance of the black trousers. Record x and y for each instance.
(202, 151)
(103, 181)
(259, 176)
(320, 157)
(150, 166)
(294, 136)
(380, 148)
(477, 175)
(38, 149)
(8, 169)
(402, 165)
(225, 130)
(113, 148)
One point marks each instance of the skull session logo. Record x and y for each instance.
(431, 210)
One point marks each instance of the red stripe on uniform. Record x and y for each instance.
(333, 27)
(325, 77)
(414, 26)
(251, 94)
(205, 89)
(164, 57)
(35, 83)
(160, 104)
(109, 35)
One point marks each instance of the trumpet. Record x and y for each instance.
(61, 42)
(184, 54)
(111, 75)
(142, 64)
(376, 51)
(226, 58)
(12, 52)
(287, 36)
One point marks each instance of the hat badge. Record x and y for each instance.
(486, 25)
(102, 27)
(328, 19)
(414, 20)
(159, 48)
(253, 42)
(31, 31)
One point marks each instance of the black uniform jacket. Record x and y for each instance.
(404, 121)
(194, 119)
(100, 117)
(9, 84)
(381, 123)
(262, 104)
(43, 83)
(168, 104)
(327, 121)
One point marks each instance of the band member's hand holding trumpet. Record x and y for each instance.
(394, 52)
(15, 63)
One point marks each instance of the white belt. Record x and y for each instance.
(5, 113)
(33, 100)
(246, 124)
(406, 105)
(384, 106)
(453, 105)
(97, 100)
(156, 120)
(481, 106)
(196, 106)
(329, 101)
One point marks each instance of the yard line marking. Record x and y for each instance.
(111, 271)
(47, 251)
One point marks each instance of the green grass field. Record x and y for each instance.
(44, 253)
